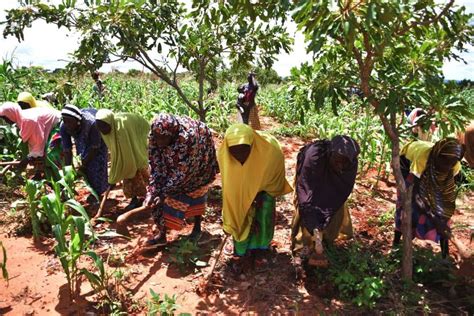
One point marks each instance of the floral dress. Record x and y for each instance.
(181, 172)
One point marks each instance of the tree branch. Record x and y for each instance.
(427, 22)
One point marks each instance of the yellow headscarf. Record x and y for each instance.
(30, 99)
(127, 142)
(264, 170)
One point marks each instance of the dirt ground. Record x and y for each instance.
(37, 284)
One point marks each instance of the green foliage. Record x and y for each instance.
(73, 234)
(360, 276)
(34, 189)
(185, 254)
(3, 264)
(11, 145)
(106, 284)
(393, 51)
(161, 306)
(195, 39)
(16, 79)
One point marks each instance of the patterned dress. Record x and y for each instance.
(89, 138)
(181, 172)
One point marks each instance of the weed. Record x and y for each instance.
(360, 276)
(185, 254)
(161, 306)
(108, 285)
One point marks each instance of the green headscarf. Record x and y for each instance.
(127, 142)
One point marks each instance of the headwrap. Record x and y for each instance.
(415, 115)
(28, 98)
(35, 124)
(240, 134)
(185, 165)
(127, 142)
(320, 190)
(264, 170)
(72, 111)
(165, 124)
(345, 146)
(438, 190)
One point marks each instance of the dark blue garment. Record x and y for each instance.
(89, 138)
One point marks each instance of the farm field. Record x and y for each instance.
(38, 285)
(381, 75)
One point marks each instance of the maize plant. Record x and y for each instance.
(73, 233)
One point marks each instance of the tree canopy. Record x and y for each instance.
(163, 36)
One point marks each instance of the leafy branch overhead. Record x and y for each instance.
(165, 37)
(393, 51)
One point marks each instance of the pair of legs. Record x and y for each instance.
(160, 238)
(253, 249)
(173, 212)
(310, 246)
(135, 188)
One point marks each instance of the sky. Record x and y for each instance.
(47, 46)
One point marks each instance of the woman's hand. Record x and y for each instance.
(149, 201)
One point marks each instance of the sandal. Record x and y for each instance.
(157, 241)
(318, 260)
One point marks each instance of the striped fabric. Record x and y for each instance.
(72, 111)
(179, 207)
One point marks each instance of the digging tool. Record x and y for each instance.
(5, 170)
(216, 260)
(102, 203)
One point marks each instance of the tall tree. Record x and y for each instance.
(393, 51)
(163, 36)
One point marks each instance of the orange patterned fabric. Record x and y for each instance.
(177, 209)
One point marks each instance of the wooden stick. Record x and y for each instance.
(221, 247)
(102, 203)
(126, 216)
(5, 170)
(10, 163)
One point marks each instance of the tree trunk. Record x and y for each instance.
(202, 115)
(201, 78)
(405, 199)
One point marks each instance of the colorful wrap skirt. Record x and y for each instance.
(263, 226)
(174, 210)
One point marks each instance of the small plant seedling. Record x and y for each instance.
(161, 306)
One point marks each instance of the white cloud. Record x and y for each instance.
(47, 46)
